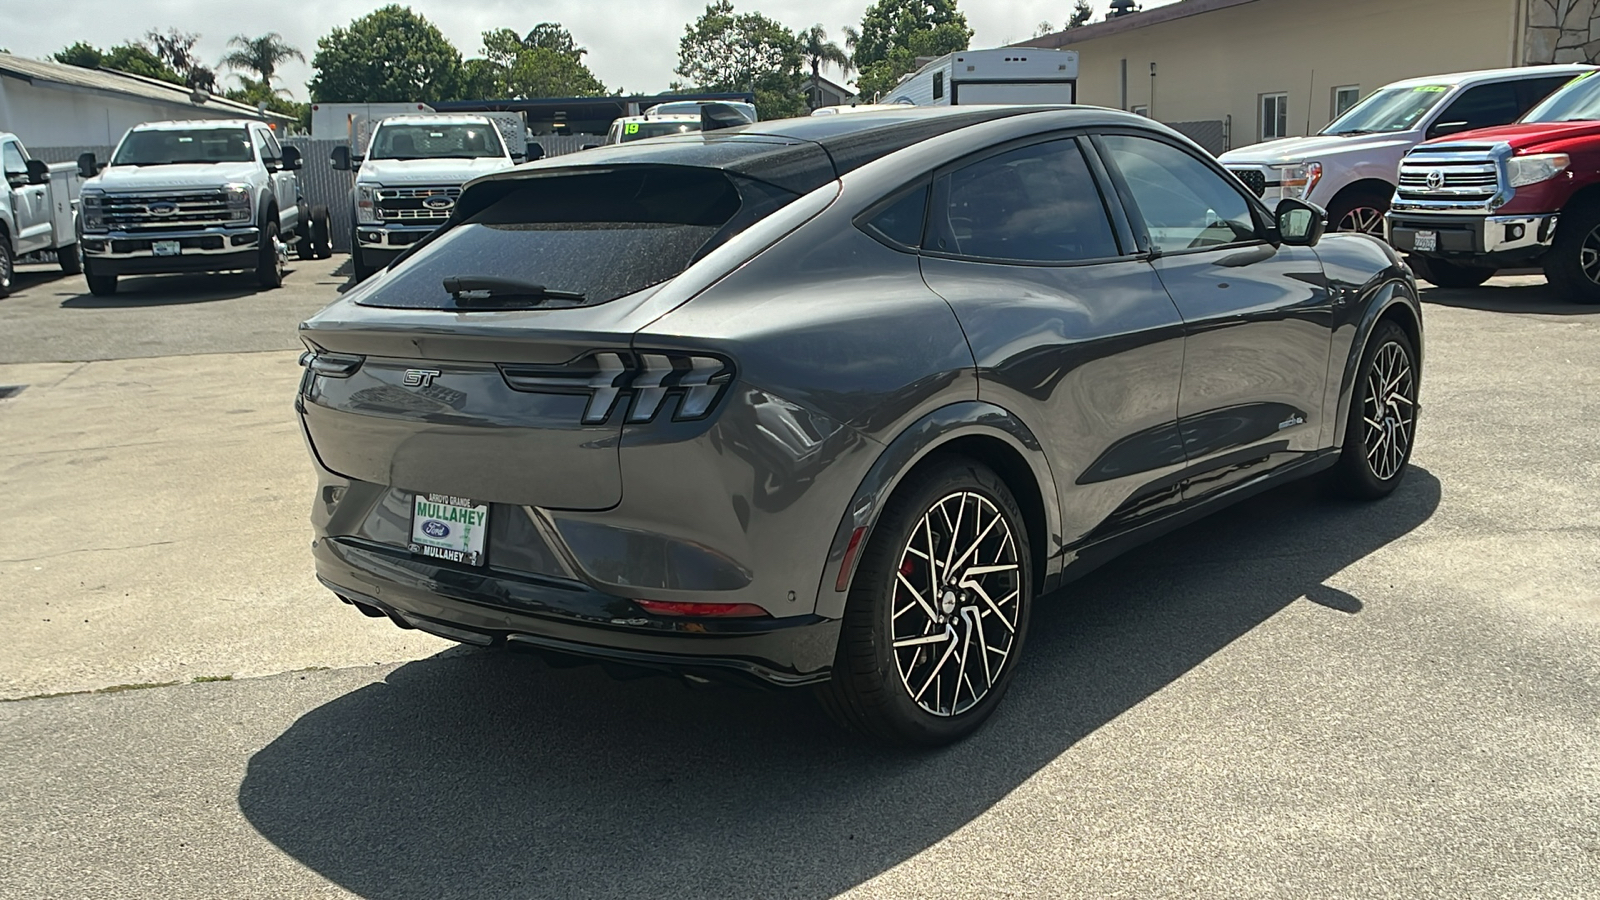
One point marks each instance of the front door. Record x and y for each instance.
(1257, 316)
(30, 203)
(283, 181)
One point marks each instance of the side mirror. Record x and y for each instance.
(340, 157)
(292, 160)
(38, 172)
(1300, 224)
(87, 166)
(535, 151)
(1440, 129)
(591, 146)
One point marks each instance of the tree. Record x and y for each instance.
(816, 49)
(391, 54)
(895, 32)
(1081, 14)
(1042, 29)
(135, 59)
(545, 63)
(176, 49)
(728, 51)
(260, 55)
(261, 93)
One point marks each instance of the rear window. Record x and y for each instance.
(601, 235)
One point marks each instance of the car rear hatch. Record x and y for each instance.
(492, 362)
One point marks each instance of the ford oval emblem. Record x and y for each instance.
(438, 203)
(162, 208)
(435, 529)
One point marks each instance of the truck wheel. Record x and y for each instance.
(1359, 212)
(304, 244)
(7, 268)
(70, 260)
(357, 265)
(269, 267)
(1572, 264)
(321, 232)
(101, 285)
(1441, 273)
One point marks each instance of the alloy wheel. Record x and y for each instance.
(1589, 255)
(956, 603)
(1389, 411)
(1363, 220)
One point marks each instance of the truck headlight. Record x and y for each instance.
(91, 215)
(367, 204)
(238, 202)
(1299, 181)
(1526, 170)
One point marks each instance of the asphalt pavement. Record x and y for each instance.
(1299, 698)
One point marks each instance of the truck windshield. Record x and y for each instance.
(1390, 110)
(164, 147)
(1579, 101)
(463, 141)
(637, 131)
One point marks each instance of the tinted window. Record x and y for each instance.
(1184, 203)
(1533, 90)
(1036, 204)
(1481, 107)
(901, 221)
(602, 235)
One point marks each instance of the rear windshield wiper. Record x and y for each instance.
(481, 290)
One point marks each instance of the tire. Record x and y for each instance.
(1572, 264)
(900, 694)
(1445, 274)
(101, 285)
(358, 266)
(269, 266)
(1379, 436)
(321, 232)
(69, 259)
(8, 265)
(1359, 212)
(304, 244)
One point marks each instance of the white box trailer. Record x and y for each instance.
(335, 121)
(1020, 75)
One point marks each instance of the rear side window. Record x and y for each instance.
(1034, 204)
(601, 235)
(900, 220)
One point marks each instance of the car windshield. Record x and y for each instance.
(1390, 110)
(170, 146)
(1577, 102)
(634, 131)
(463, 141)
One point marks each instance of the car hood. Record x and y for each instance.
(428, 171)
(184, 175)
(1523, 135)
(1317, 148)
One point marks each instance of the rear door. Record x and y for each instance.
(1257, 317)
(1070, 329)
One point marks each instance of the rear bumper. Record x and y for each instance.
(1504, 238)
(570, 619)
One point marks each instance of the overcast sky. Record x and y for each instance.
(632, 44)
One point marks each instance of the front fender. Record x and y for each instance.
(939, 428)
(1396, 292)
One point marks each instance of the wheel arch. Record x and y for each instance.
(1394, 303)
(981, 431)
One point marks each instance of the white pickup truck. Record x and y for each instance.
(1351, 167)
(213, 195)
(411, 172)
(37, 210)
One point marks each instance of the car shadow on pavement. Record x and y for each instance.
(487, 775)
(1538, 299)
(171, 290)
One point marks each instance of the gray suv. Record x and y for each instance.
(832, 401)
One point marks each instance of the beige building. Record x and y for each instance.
(1255, 70)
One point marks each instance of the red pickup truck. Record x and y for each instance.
(1512, 196)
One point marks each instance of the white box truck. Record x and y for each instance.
(1021, 75)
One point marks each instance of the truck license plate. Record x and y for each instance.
(166, 248)
(1425, 241)
(450, 528)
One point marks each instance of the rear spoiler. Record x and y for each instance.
(714, 116)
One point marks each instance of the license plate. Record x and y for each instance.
(1425, 240)
(449, 528)
(166, 248)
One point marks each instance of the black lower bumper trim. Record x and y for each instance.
(172, 265)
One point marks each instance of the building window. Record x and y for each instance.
(1344, 98)
(938, 85)
(1274, 116)
(1141, 111)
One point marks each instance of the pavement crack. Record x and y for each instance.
(28, 559)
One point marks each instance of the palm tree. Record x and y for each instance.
(817, 49)
(260, 55)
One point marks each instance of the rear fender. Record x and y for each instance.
(940, 428)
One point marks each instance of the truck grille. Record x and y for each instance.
(1254, 179)
(167, 211)
(417, 205)
(1440, 177)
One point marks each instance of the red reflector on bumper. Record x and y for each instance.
(672, 608)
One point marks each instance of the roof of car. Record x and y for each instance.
(434, 119)
(181, 124)
(1494, 75)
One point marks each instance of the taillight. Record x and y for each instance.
(645, 381)
(721, 610)
(333, 365)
